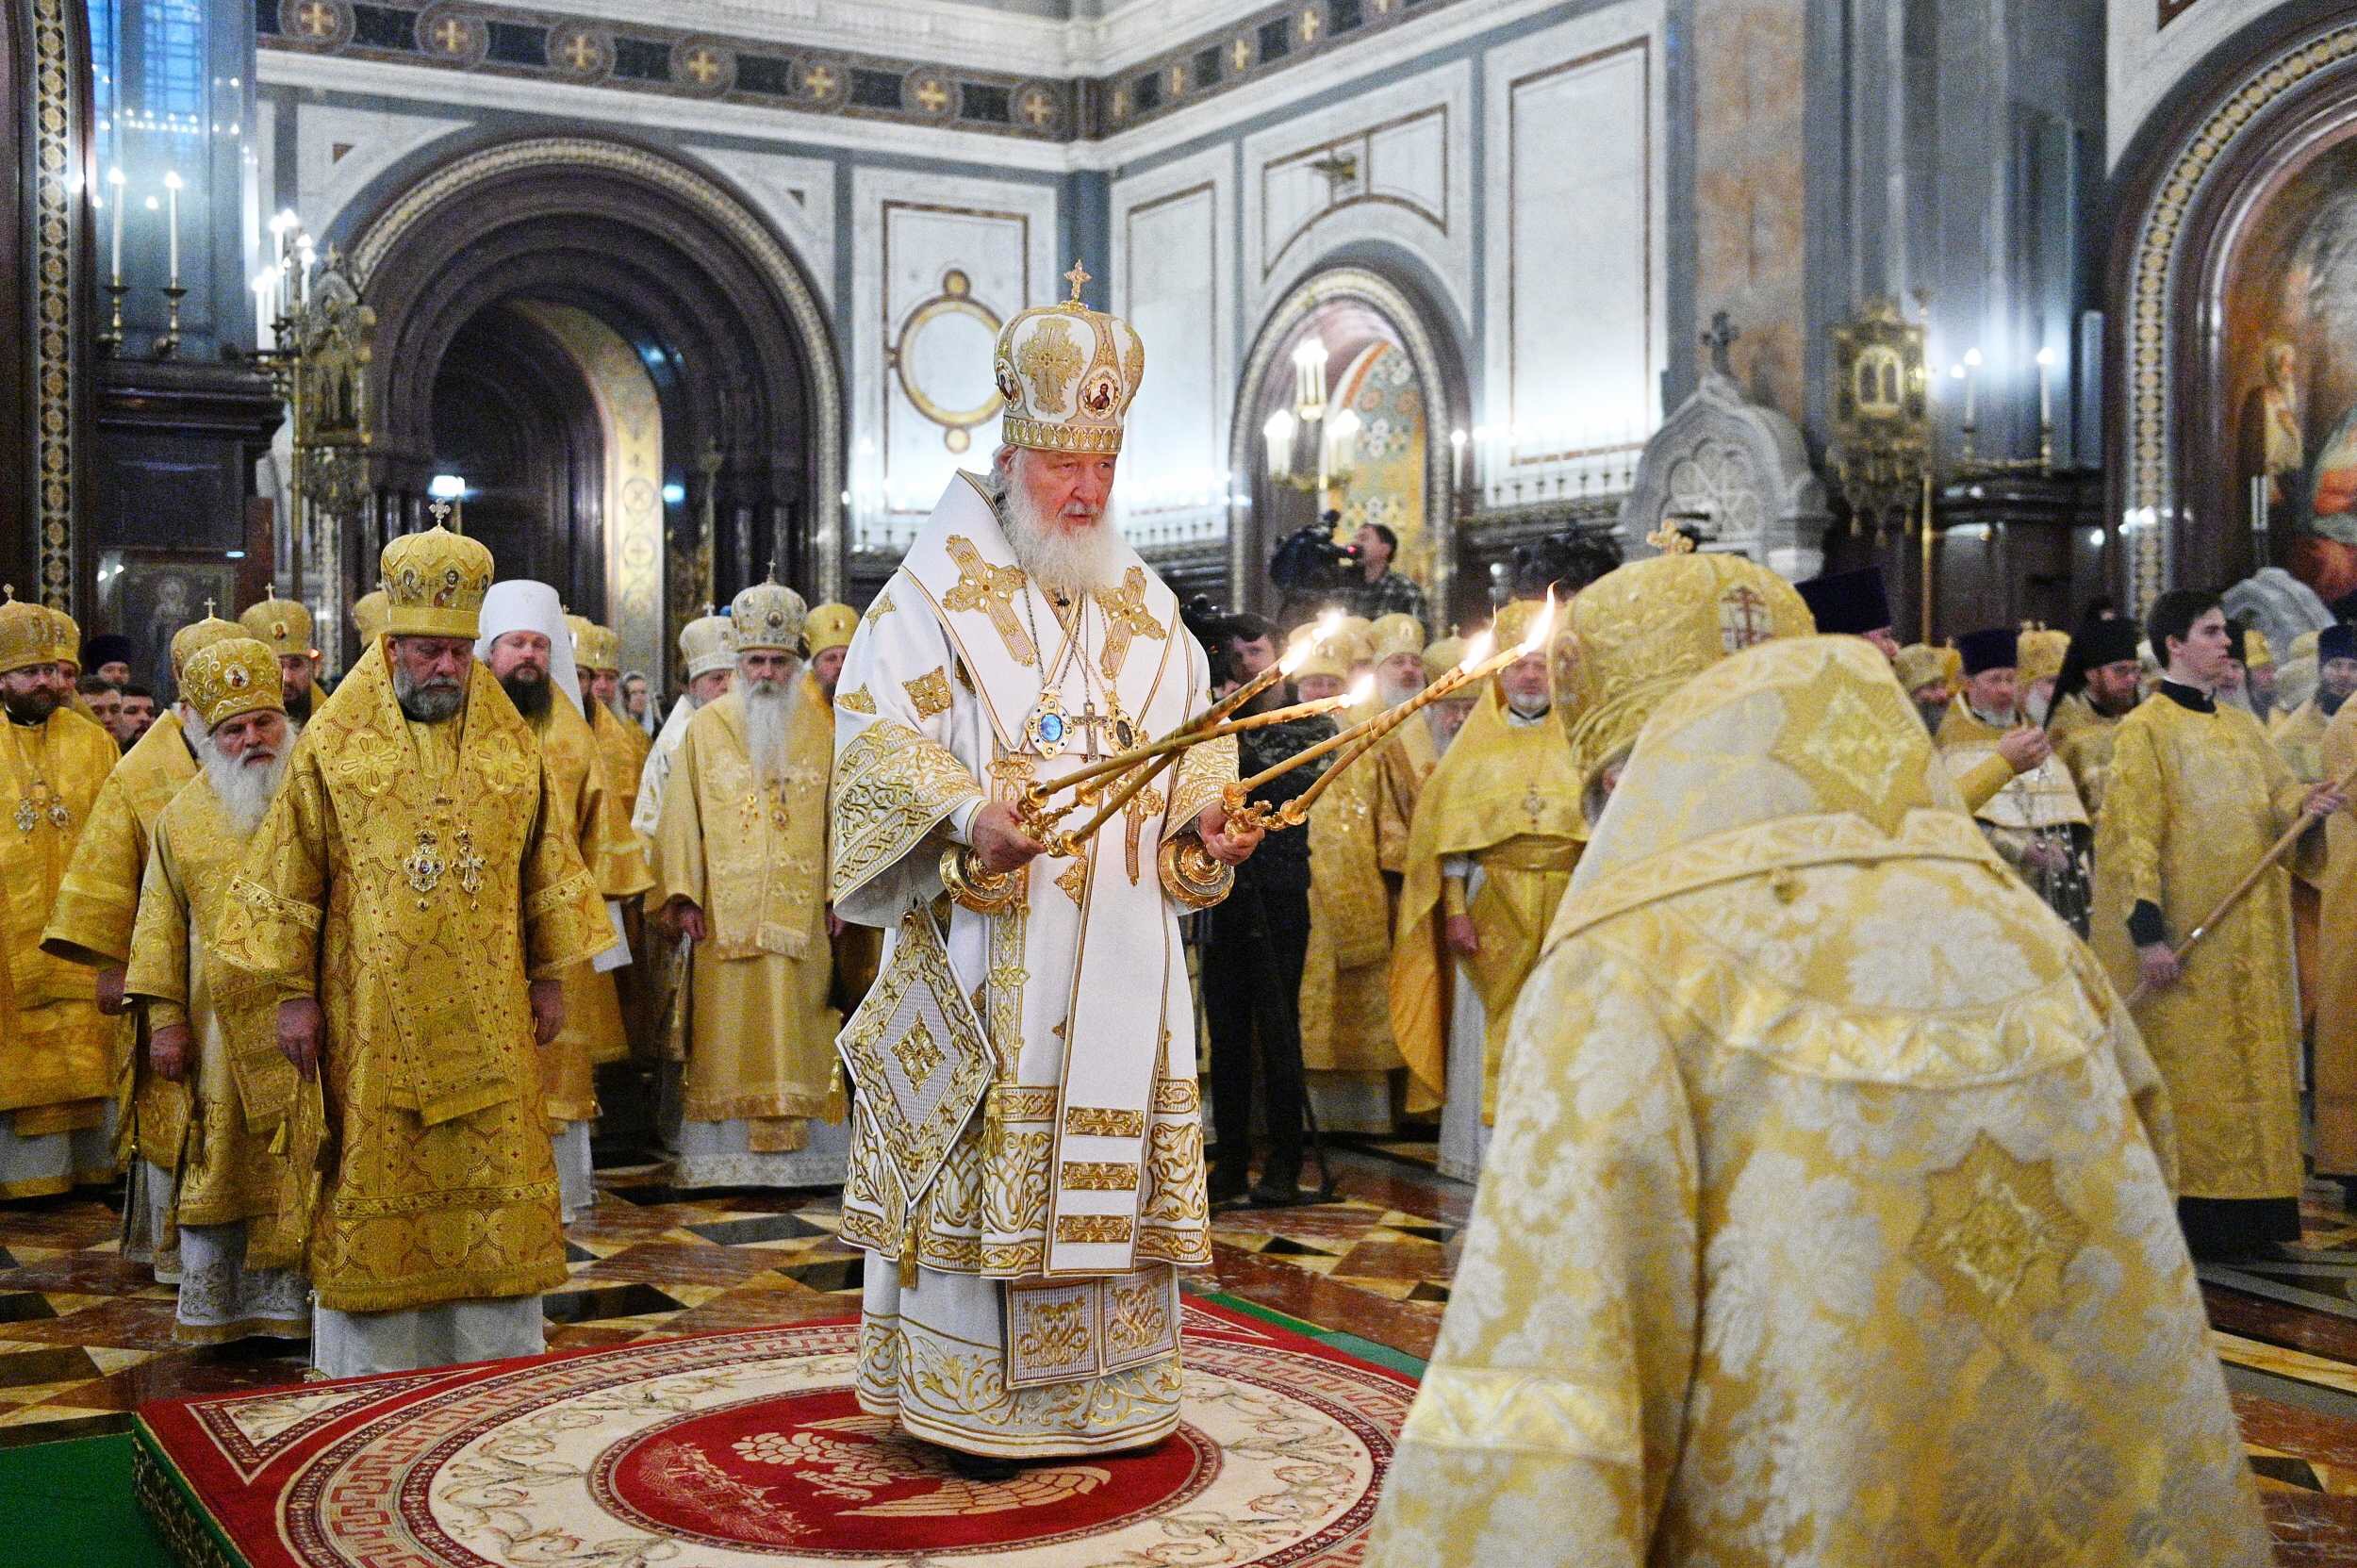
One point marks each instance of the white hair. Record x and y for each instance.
(766, 714)
(245, 791)
(1087, 559)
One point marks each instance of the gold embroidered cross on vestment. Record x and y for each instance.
(990, 589)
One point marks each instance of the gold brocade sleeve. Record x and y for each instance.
(1558, 1388)
(563, 918)
(98, 899)
(1199, 774)
(1980, 782)
(159, 942)
(2128, 840)
(1394, 806)
(618, 857)
(271, 925)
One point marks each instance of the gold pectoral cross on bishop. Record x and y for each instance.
(1142, 807)
(469, 865)
(423, 866)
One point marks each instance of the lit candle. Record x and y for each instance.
(114, 264)
(2045, 389)
(172, 222)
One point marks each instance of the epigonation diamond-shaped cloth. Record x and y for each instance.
(917, 1054)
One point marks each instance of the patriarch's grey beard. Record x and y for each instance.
(1083, 559)
(246, 789)
(428, 703)
(764, 728)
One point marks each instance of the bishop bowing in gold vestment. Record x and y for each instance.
(92, 923)
(742, 857)
(241, 1204)
(58, 1051)
(1027, 1170)
(416, 890)
(1793, 1250)
(2198, 794)
(522, 641)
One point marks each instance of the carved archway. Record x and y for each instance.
(1353, 307)
(675, 264)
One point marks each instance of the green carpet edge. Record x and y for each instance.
(1333, 1339)
(172, 1507)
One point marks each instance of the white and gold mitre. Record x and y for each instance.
(1068, 374)
(708, 643)
(433, 584)
(283, 624)
(1645, 629)
(29, 635)
(768, 617)
(197, 636)
(235, 675)
(830, 626)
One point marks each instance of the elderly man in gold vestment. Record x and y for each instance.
(1403, 763)
(620, 742)
(283, 627)
(521, 641)
(415, 895)
(92, 923)
(242, 1198)
(1027, 1176)
(741, 856)
(1793, 1250)
(2198, 794)
(58, 1055)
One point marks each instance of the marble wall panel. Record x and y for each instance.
(1749, 188)
(1174, 277)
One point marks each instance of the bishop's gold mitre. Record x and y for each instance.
(2039, 653)
(597, 648)
(1068, 374)
(1918, 666)
(196, 636)
(829, 626)
(708, 643)
(235, 675)
(769, 618)
(1443, 656)
(29, 635)
(433, 584)
(1395, 633)
(283, 624)
(66, 634)
(368, 615)
(1644, 629)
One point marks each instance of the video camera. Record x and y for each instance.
(1308, 561)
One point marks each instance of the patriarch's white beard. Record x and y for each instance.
(766, 714)
(1084, 559)
(245, 792)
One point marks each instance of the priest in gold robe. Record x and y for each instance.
(1026, 1177)
(1347, 1056)
(241, 1197)
(58, 1051)
(621, 744)
(1497, 830)
(2036, 820)
(1923, 677)
(521, 641)
(742, 856)
(2098, 688)
(1792, 1248)
(283, 625)
(92, 923)
(1403, 762)
(2300, 734)
(415, 895)
(2197, 795)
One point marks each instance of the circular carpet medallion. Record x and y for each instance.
(739, 1450)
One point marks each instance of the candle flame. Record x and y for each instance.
(1541, 628)
(1361, 691)
(1476, 651)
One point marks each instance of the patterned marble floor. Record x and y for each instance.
(85, 1338)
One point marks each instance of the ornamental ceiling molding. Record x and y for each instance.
(417, 204)
(2161, 235)
(824, 72)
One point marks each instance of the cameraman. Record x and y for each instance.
(1375, 590)
(1253, 956)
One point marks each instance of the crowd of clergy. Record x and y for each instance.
(324, 981)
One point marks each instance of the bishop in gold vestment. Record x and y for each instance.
(241, 1199)
(2197, 795)
(1403, 763)
(621, 745)
(57, 1053)
(417, 882)
(742, 851)
(522, 641)
(1793, 1250)
(92, 923)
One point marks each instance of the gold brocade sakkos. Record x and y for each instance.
(2083, 739)
(624, 750)
(252, 1154)
(617, 859)
(2195, 799)
(416, 876)
(1401, 767)
(1346, 1009)
(1791, 1246)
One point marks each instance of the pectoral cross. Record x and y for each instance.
(1533, 804)
(469, 865)
(27, 818)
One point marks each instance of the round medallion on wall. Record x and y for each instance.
(942, 358)
(825, 83)
(1039, 108)
(585, 54)
(316, 24)
(930, 93)
(453, 37)
(703, 67)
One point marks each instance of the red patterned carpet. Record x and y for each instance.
(747, 1448)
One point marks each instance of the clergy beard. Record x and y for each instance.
(764, 728)
(1530, 707)
(2330, 700)
(1995, 721)
(246, 790)
(1395, 692)
(433, 703)
(299, 705)
(2034, 708)
(1932, 713)
(33, 707)
(1059, 555)
(529, 690)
